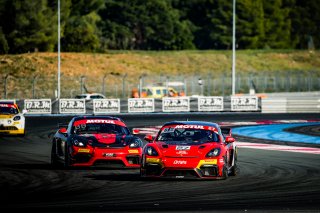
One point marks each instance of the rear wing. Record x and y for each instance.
(226, 131)
(60, 125)
(5, 101)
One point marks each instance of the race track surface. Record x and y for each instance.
(269, 181)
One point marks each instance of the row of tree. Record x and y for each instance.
(99, 25)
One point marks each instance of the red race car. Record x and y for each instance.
(96, 141)
(190, 149)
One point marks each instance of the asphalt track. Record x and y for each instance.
(269, 181)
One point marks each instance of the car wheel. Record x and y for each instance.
(234, 170)
(224, 173)
(54, 158)
(67, 158)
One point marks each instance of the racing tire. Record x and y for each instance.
(54, 159)
(224, 173)
(67, 158)
(233, 170)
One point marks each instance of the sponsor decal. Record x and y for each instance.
(152, 160)
(182, 153)
(37, 106)
(244, 103)
(181, 104)
(140, 105)
(100, 121)
(180, 162)
(183, 147)
(84, 150)
(210, 103)
(72, 106)
(189, 127)
(207, 162)
(133, 151)
(106, 106)
(108, 154)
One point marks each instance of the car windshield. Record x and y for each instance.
(8, 110)
(94, 128)
(187, 136)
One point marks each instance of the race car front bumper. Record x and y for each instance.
(107, 157)
(204, 169)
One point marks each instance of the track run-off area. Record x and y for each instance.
(275, 175)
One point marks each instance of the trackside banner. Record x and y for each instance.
(210, 103)
(140, 105)
(244, 103)
(180, 104)
(72, 106)
(37, 106)
(106, 106)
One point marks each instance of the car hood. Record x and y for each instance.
(194, 150)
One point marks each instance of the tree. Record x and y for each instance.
(81, 33)
(140, 24)
(31, 27)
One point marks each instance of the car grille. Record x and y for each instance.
(133, 159)
(8, 128)
(209, 171)
(184, 173)
(153, 169)
(109, 163)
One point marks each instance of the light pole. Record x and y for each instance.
(82, 78)
(123, 84)
(58, 92)
(234, 49)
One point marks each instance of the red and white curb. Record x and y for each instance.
(274, 147)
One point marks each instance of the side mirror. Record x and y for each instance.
(229, 139)
(148, 138)
(63, 130)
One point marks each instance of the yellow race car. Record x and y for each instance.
(12, 120)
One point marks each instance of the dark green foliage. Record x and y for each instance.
(99, 25)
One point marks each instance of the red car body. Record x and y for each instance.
(96, 141)
(190, 149)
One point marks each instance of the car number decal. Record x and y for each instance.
(183, 147)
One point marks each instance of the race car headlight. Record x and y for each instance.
(78, 143)
(151, 151)
(17, 118)
(213, 153)
(134, 144)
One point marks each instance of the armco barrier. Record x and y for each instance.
(293, 104)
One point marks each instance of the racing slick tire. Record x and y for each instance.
(234, 168)
(224, 173)
(54, 159)
(67, 158)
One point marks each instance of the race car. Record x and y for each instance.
(95, 141)
(191, 150)
(12, 120)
